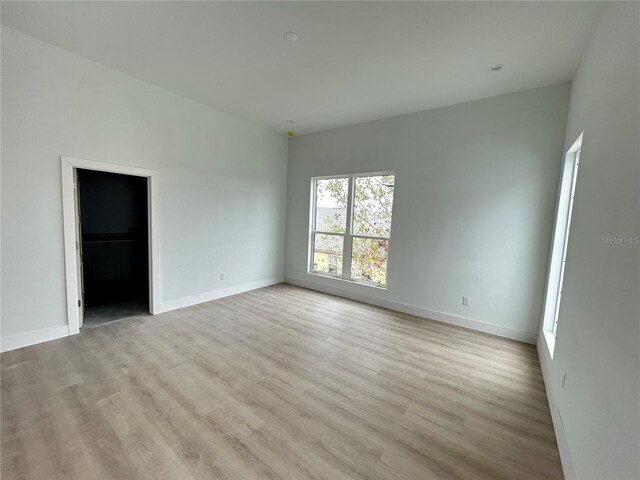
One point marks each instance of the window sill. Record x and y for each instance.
(353, 282)
(550, 338)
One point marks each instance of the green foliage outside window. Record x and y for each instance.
(372, 208)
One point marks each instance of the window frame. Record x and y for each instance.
(565, 240)
(560, 242)
(348, 235)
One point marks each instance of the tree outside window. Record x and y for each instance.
(352, 227)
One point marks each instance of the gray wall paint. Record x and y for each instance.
(221, 180)
(474, 202)
(598, 341)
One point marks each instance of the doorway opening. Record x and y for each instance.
(111, 254)
(114, 237)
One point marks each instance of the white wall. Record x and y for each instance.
(221, 180)
(474, 204)
(598, 340)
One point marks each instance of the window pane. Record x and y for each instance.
(369, 260)
(331, 204)
(372, 206)
(327, 254)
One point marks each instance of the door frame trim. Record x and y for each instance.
(68, 165)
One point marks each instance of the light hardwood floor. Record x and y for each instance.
(280, 382)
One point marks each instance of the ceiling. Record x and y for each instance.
(353, 61)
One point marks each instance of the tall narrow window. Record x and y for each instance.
(561, 242)
(565, 242)
(351, 227)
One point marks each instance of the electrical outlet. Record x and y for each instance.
(223, 276)
(465, 301)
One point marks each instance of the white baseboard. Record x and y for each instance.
(11, 342)
(558, 427)
(33, 337)
(512, 333)
(216, 294)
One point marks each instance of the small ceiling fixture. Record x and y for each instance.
(290, 36)
(496, 68)
(290, 133)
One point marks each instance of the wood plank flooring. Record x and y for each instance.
(280, 382)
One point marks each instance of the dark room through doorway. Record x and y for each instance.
(115, 261)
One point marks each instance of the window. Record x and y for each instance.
(351, 227)
(565, 240)
(561, 242)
